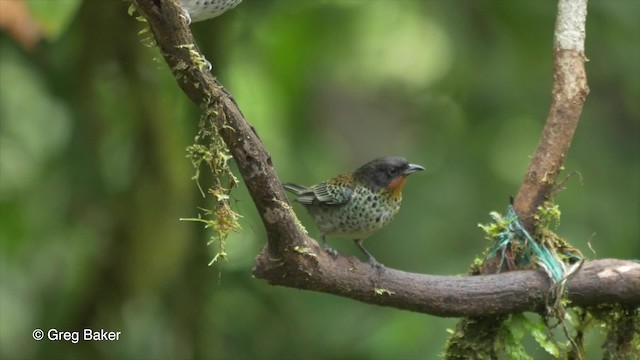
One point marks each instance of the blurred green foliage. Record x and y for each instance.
(94, 175)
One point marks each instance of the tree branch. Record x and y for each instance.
(599, 281)
(254, 163)
(568, 95)
(295, 260)
(567, 98)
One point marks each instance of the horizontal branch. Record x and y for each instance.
(598, 282)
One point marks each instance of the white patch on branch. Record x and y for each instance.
(616, 271)
(570, 25)
(624, 269)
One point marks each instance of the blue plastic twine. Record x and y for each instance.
(543, 256)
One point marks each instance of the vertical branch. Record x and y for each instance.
(567, 98)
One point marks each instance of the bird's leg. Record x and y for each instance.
(326, 247)
(370, 259)
(185, 15)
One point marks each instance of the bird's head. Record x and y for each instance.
(389, 172)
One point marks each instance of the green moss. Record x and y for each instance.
(287, 207)
(209, 152)
(492, 230)
(381, 291)
(196, 57)
(475, 338)
(502, 337)
(496, 337)
(476, 266)
(548, 214)
(623, 330)
(145, 33)
(304, 251)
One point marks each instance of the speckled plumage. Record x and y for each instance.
(356, 205)
(350, 209)
(199, 10)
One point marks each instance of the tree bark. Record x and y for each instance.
(567, 98)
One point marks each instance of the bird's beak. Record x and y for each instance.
(412, 168)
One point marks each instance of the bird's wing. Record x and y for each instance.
(326, 194)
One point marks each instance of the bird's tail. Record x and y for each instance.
(294, 188)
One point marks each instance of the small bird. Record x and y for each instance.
(199, 10)
(358, 204)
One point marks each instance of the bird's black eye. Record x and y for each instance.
(393, 171)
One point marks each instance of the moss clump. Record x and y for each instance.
(474, 338)
(211, 153)
(623, 330)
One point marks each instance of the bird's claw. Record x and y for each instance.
(185, 15)
(331, 251)
(207, 65)
(375, 264)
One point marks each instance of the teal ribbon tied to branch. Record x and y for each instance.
(511, 234)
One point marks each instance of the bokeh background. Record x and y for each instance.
(93, 173)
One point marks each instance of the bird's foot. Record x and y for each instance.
(200, 61)
(375, 264)
(330, 251)
(207, 65)
(185, 15)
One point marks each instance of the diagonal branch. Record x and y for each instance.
(293, 259)
(254, 163)
(567, 98)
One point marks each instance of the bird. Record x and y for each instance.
(357, 204)
(199, 10)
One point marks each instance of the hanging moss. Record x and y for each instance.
(623, 330)
(210, 151)
(475, 338)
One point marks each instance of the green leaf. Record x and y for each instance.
(513, 332)
(539, 333)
